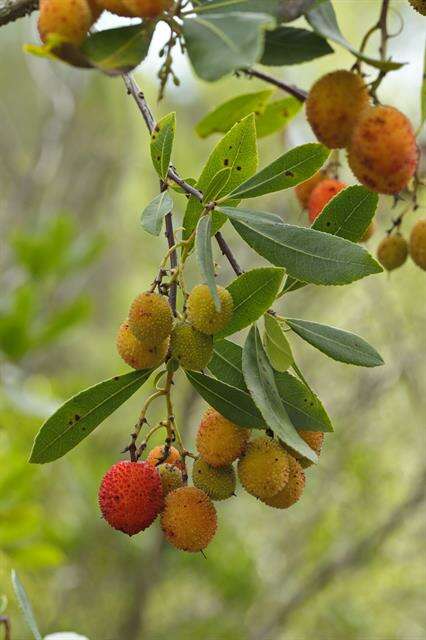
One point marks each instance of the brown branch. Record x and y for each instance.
(300, 94)
(226, 251)
(4, 620)
(11, 10)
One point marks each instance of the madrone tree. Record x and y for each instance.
(264, 423)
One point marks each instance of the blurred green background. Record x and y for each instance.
(349, 560)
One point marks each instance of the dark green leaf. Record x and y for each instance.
(253, 293)
(117, 51)
(260, 381)
(80, 415)
(234, 404)
(276, 116)
(153, 215)
(272, 7)
(336, 343)
(226, 363)
(288, 45)
(221, 43)
(162, 144)
(203, 245)
(293, 167)
(276, 344)
(303, 407)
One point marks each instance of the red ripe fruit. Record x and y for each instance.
(131, 496)
(322, 194)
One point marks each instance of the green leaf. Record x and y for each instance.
(273, 7)
(290, 169)
(260, 381)
(221, 43)
(288, 45)
(236, 151)
(117, 51)
(423, 93)
(276, 116)
(276, 344)
(336, 343)
(347, 215)
(3, 604)
(322, 19)
(57, 47)
(253, 293)
(302, 405)
(306, 254)
(25, 605)
(153, 215)
(217, 184)
(234, 404)
(223, 117)
(81, 414)
(162, 144)
(203, 245)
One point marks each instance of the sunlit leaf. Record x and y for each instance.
(153, 215)
(203, 246)
(162, 144)
(119, 50)
(25, 605)
(276, 344)
(223, 117)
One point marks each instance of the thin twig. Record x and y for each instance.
(11, 10)
(300, 94)
(226, 251)
(4, 620)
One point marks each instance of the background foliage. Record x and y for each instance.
(74, 182)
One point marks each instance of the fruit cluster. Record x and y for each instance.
(133, 494)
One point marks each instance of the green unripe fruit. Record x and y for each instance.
(202, 311)
(218, 482)
(418, 243)
(419, 5)
(150, 318)
(392, 252)
(171, 477)
(192, 349)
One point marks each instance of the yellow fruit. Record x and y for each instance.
(392, 252)
(313, 439)
(70, 19)
(418, 243)
(292, 491)
(218, 482)
(147, 8)
(192, 349)
(382, 152)
(138, 354)
(202, 312)
(116, 6)
(334, 105)
(304, 189)
(171, 477)
(369, 232)
(220, 441)
(419, 5)
(263, 469)
(189, 519)
(150, 318)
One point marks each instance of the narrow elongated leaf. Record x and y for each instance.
(253, 293)
(153, 215)
(25, 605)
(293, 167)
(276, 344)
(203, 245)
(276, 116)
(322, 19)
(221, 43)
(117, 51)
(80, 415)
(226, 363)
(260, 381)
(308, 255)
(162, 144)
(217, 184)
(289, 45)
(338, 344)
(223, 117)
(250, 216)
(233, 403)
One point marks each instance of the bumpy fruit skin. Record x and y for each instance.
(322, 194)
(218, 482)
(383, 153)
(150, 318)
(202, 312)
(334, 105)
(369, 232)
(292, 491)
(313, 439)
(418, 243)
(171, 477)
(419, 5)
(137, 354)
(392, 252)
(304, 189)
(156, 455)
(189, 519)
(191, 348)
(220, 441)
(131, 496)
(147, 8)
(116, 6)
(71, 19)
(263, 469)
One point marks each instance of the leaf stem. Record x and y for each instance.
(294, 91)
